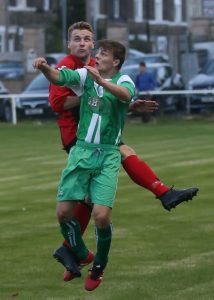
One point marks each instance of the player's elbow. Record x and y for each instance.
(126, 97)
(56, 106)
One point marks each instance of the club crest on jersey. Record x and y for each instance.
(93, 101)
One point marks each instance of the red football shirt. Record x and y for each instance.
(67, 119)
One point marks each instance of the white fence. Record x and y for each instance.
(13, 98)
(186, 93)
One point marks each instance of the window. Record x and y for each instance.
(11, 38)
(46, 5)
(116, 9)
(98, 7)
(138, 10)
(178, 11)
(19, 5)
(103, 5)
(158, 10)
(208, 8)
(11, 42)
(12, 2)
(33, 3)
(168, 10)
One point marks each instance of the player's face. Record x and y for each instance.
(105, 60)
(81, 43)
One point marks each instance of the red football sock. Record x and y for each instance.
(82, 213)
(143, 175)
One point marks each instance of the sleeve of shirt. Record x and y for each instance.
(73, 79)
(68, 78)
(127, 83)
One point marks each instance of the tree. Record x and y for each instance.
(75, 11)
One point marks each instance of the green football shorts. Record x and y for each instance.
(91, 170)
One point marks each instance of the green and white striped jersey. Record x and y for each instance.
(102, 115)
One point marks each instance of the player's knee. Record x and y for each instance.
(101, 219)
(63, 214)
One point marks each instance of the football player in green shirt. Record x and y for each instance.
(93, 167)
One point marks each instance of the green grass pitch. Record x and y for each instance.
(155, 255)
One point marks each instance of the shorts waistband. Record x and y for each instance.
(95, 146)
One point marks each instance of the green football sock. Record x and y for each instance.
(72, 233)
(103, 237)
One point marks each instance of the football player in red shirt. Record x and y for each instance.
(65, 102)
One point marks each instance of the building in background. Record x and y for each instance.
(202, 21)
(166, 26)
(29, 28)
(19, 16)
(151, 25)
(200, 48)
(22, 32)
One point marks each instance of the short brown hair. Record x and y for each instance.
(118, 50)
(81, 26)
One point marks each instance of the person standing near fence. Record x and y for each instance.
(145, 81)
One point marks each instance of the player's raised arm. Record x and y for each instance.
(120, 92)
(50, 73)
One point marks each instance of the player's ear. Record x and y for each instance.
(116, 62)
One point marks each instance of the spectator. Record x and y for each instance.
(144, 80)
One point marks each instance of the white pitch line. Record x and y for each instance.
(193, 162)
(43, 157)
(12, 178)
(43, 186)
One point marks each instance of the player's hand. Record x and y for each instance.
(147, 106)
(95, 74)
(39, 63)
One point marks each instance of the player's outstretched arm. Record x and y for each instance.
(144, 106)
(50, 73)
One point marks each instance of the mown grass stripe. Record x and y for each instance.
(155, 254)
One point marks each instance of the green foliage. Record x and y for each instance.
(101, 29)
(75, 12)
(156, 255)
(53, 39)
